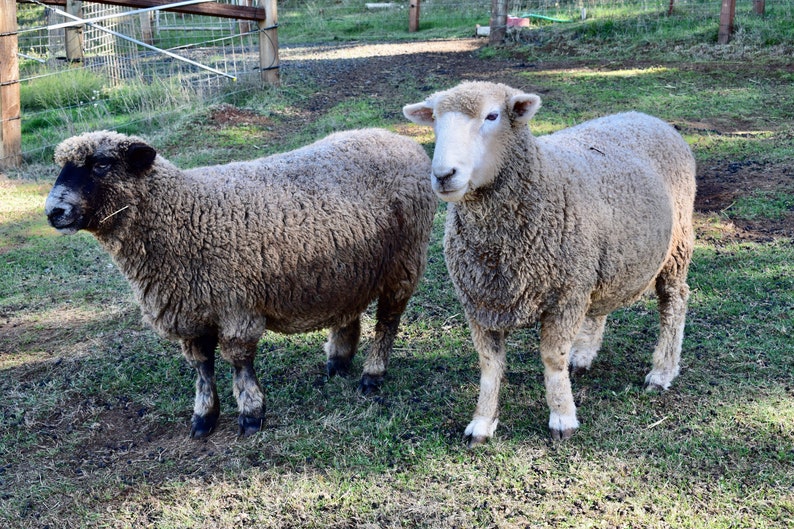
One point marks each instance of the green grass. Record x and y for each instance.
(95, 411)
(716, 110)
(276, 109)
(318, 21)
(60, 105)
(714, 451)
(79, 87)
(774, 205)
(626, 30)
(56, 107)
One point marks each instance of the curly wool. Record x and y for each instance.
(297, 241)
(572, 223)
(561, 229)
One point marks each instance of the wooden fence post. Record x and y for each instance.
(498, 22)
(413, 16)
(74, 34)
(245, 25)
(727, 14)
(147, 36)
(10, 124)
(268, 43)
(759, 7)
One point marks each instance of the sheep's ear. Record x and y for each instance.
(524, 106)
(420, 113)
(140, 156)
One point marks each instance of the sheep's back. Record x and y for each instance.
(313, 235)
(375, 162)
(632, 185)
(653, 151)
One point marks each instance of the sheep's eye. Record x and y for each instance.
(492, 116)
(101, 167)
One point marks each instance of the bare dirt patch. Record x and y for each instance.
(225, 115)
(721, 185)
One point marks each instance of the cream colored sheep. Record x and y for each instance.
(562, 229)
(290, 243)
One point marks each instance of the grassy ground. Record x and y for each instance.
(95, 408)
(95, 412)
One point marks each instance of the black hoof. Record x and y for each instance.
(201, 427)
(562, 435)
(370, 384)
(473, 441)
(338, 366)
(249, 425)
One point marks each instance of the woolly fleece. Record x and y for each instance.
(291, 243)
(302, 240)
(561, 229)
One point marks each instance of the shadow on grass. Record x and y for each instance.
(111, 423)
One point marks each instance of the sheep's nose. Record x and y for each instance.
(444, 177)
(56, 212)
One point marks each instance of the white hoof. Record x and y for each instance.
(659, 380)
(480, 429)
(562, 426)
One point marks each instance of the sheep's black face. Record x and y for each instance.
(85, 195)
(67, 205)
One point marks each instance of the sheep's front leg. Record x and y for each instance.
(250, 397)
(490, 346)
(556, 339)
(200, 352)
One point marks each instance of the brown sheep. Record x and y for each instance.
(291, 243)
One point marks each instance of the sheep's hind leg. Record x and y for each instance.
(390, 310)
(673, 293)
(341, 347)
(250, 397)
(490, 346)
(200, 352)
(586, 344)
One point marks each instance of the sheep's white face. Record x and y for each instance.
(470, 124)
(461, 161)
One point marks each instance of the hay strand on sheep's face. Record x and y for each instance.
(114, 213)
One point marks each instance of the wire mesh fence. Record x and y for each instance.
(127, 68)
(116, 43)
(131, 67)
